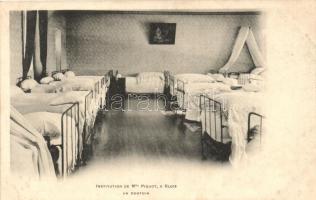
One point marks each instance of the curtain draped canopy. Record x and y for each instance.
(245, 36)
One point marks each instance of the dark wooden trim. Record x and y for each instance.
(165, 12)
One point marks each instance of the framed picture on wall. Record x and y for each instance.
(162, 33)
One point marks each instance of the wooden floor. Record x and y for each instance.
(149, 134)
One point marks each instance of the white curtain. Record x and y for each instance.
(24, 136)
(254, 50)
(245, 36)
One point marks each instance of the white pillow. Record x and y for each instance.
(46, 123)
(28, 84)
(69, 74)
(150, 76)
(46, 80)
(15, 90)
(67, 98)
(58, 76)
(44, 88)
(257, 70)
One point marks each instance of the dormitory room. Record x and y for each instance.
(91, 89)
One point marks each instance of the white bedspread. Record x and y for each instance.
(49, 124)
(190, 101)
(29, 152)
(75, 83)
(190, 78)
(95, 78)
(100, 98)
(236, 107)
(151, 86)
(24, 158)
(38, 102)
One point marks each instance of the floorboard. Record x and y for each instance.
(144, 133)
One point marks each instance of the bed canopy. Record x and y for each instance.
(245, 36)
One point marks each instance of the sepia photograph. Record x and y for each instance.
(141, 103)
(72, 95)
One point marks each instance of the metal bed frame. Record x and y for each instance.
(96, 93)
(88, 128)
(99, 104)
(97, 87)
(102, 86)
(251, 115)
(214, 109)
(180, 90)
(170, 91)
(240, 76)
(181, 94)
(71, 113)
(171, 84)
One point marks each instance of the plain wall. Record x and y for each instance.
(15, 46)
(55, 21)
(99, 41)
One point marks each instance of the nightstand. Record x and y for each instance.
(120, 86)
(116, 94)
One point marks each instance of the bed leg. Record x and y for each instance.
(203, 147)
(55, 155)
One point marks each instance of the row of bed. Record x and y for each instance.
(227, 106)
(62, 108)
